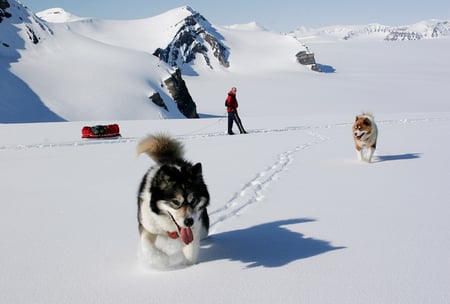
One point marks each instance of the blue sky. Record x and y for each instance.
(274, 15)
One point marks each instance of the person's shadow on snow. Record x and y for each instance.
(267, 245)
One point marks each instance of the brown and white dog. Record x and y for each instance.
(365, 133)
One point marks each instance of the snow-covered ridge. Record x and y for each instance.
(177, 37)
(57, 15)
(421, 30)
(251, 26)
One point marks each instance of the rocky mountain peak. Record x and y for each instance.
(195, 37)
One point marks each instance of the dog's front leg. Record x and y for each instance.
(359, 153)
(150, 254)
(370, 152)
(191, 251)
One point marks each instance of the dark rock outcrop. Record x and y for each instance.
(156, 98)
(305, 58)
(177, 88)
(4, 4)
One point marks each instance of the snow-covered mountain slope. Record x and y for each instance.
(53, 73)
(421, 30)
(19, 28)
(20, 32)
(89, 69)
(83, 79)
(180, 37)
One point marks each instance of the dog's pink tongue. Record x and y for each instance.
(186, 235)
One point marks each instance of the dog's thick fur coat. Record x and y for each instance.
(172, 203)
(365, 134)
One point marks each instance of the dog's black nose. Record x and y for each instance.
(189, 221)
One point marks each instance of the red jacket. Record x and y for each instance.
(232, 103)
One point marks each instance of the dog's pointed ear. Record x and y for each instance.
(197, 169)
(356, 118)
(165, 177)
(367, 121)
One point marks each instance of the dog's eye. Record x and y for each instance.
(176, 203)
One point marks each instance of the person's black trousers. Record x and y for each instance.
(234, 116)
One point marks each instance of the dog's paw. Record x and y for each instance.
(156, 261)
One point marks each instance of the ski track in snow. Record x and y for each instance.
(121, 140)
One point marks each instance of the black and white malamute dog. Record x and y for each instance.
(365, 134)
(172, 203)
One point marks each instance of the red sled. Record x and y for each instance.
(100, 131)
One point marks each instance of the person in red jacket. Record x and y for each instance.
(232, 105)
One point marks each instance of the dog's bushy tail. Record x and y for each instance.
(161, 148)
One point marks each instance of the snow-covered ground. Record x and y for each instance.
(295, 218)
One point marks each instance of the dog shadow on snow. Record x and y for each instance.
(266, 245)
(383, 158)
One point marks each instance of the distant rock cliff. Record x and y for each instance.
(421, 30)
(417, 31)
